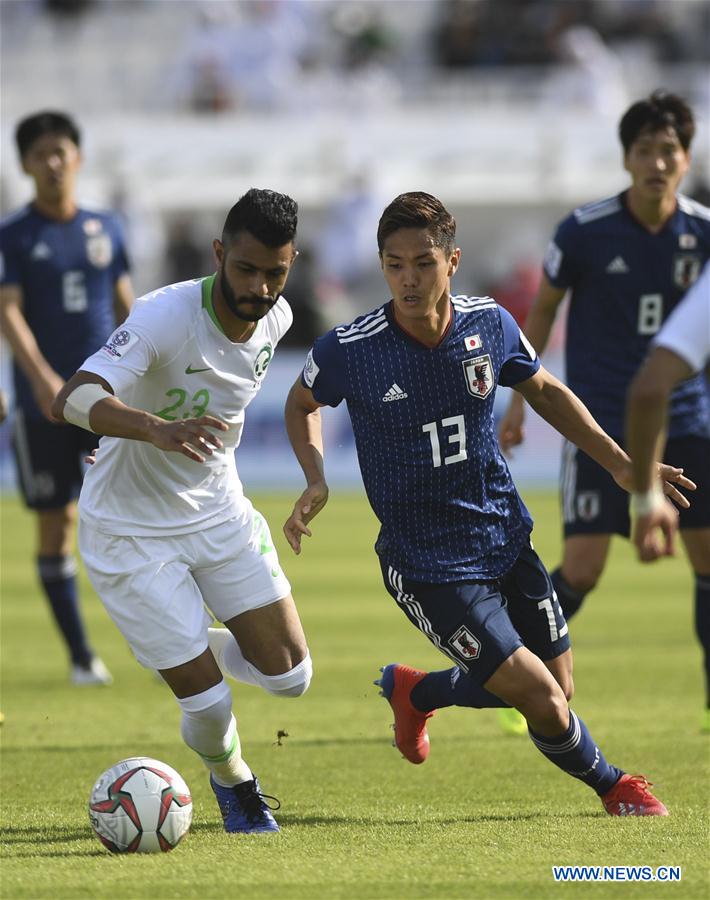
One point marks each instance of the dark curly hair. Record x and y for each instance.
(656, 113)
(268, 216)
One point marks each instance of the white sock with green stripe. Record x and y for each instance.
(209, 728)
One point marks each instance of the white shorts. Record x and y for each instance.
(156, 588)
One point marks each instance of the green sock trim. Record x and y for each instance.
(222, 756)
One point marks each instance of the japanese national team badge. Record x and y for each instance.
(478, 373)
(465, 644)
(99, 250)
(686, 268)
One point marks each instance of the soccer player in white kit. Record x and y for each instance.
(165, 529)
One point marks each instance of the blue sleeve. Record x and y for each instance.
(560, 262)
(520, 361)
(9, 262)
(324, 371)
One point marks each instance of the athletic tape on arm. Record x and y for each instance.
(79, 403)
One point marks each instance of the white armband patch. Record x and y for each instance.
(552, 260)
(310, 370)
(79, 403)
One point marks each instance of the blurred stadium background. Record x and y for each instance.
(506, 109)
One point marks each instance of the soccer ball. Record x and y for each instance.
(140, 805)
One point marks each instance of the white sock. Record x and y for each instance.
(209, 728)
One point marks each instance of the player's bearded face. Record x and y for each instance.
(246, 306)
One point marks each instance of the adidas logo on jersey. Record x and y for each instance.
(617, 266)
(41, 251)
(395, 393)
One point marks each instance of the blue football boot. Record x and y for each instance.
(243, 807)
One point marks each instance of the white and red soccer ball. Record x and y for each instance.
(140, 805)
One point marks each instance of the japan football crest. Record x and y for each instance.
(686, 268)
(466, 645)
(99, 250)
(478, 373)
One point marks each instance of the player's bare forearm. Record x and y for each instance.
(112, 418)
(562, 409)
(556, 403)
(303, 426)
(646, 412)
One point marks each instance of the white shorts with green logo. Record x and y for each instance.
(158, 590)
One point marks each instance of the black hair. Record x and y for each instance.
(416, 209)
(656, 113)
(42, 123)
(268, 216)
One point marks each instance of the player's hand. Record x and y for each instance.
(189, 436)
(654, 533)
(44, 391)
(90, 459)
(670, 476)
(511, 429)
(308, 505)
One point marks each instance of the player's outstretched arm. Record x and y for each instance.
(556, 403)
(538, 326)
(655, 522)
(303, 425)
(107, 415)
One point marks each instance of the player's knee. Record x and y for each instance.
(293, 683)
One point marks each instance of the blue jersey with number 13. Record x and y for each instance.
(426, 439)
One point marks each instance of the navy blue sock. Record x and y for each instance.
(58, 577)
(702, 624)
(451, 688)
(570, 600)
(576, 754)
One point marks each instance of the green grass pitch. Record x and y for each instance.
(487, 816)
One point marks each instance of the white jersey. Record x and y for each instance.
(687, 330)
(171, 358)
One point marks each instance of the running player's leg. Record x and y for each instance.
(593, 508)
(263, 643)
(497, 664)
(148, 590)
(47, 459)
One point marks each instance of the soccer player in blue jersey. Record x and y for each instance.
(626, 262)
(64, 285)
(419, 376)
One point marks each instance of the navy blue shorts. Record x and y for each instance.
(593, 503)
(49, 460)
(480, 624)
